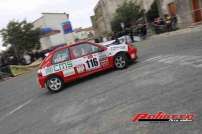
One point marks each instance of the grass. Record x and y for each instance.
(20, 69)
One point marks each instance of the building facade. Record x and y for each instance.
(104, 12)
(84, 33)
(55, 27)
(188, 12)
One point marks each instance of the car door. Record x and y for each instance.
(86, 58)
(62, 65)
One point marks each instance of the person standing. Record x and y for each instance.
(168, 21)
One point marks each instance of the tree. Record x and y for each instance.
(153, 12)
(128, 13)
(21, 37)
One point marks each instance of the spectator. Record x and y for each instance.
(159, 25)
(174, 23)
(168, 21)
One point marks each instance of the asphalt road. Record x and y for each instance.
(167, 77)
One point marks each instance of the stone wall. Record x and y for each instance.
(105, 10)
(184, 11)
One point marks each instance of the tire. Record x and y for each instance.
(54, 84)
(121, 61)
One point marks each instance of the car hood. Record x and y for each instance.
(111, 43)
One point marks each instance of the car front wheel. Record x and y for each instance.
(121, 61)
(54, 84)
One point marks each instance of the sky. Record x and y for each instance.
(79, 11)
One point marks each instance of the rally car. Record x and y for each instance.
(79, 60)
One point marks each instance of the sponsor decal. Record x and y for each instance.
(80, 68)
(118, 48)
(57, 68)
(103, 59)
(162, 116)
(92, 63)
(104, 62)
(48, 71)
(102, 56)
(115, 49)
(62, 66)
(69, 72)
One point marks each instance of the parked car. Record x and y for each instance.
(79, 60)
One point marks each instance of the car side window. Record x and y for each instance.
(83, 49)
(61, 56)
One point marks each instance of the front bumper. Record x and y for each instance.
(133, 54)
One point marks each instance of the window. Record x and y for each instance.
(60, 56)
(83, 49)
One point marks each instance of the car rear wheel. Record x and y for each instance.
(121, 61)
(54, 84)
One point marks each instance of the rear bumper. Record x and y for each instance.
(41, 81)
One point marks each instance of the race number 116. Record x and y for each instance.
(92, 63)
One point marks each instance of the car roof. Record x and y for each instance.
(74, 44)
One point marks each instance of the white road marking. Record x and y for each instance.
(189, 60)
(153, 59)
(16, 109)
